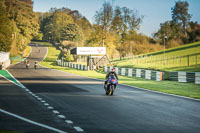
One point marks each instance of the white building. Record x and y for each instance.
(4, 60)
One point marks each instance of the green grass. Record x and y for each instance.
(5, 74)
(27, 51)
(172, 87)
(174, 59)
(41, 43)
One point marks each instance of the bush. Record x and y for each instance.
(174, 43)
(68, 57)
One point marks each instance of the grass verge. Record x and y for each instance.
(41, 43)
(171, 87)
(8, 132)
(27, 51)
(176, 59)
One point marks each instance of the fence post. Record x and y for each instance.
(168, 60)
(196, 61)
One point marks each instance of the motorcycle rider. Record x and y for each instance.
(36, 64)
(27, 64)
(112, 72)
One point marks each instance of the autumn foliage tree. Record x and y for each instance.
(5, 29)
(22, 25)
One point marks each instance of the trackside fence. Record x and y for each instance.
(71, 65)
(185, 77)
(169, 61)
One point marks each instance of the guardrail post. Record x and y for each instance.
(197, 77)
(105, 68)
(123, 71)
(117, 70)
(130, 72)
(147, 74)
(182, 77)
(158, 76)
(138, 73)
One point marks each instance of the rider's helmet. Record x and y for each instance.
(112, 70)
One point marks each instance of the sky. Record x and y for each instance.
(154, 11)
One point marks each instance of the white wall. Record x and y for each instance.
(4, 56)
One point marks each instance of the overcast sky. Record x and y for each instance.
(154, 11)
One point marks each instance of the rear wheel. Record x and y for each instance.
(106, 90)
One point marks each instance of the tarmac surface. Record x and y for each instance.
(72, 103)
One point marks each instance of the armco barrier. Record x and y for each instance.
(185, 77)
(140, 73)
(71, 65)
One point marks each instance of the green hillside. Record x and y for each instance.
(182, 58)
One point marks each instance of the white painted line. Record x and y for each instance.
(62, 116)
(163, 93)
(33, 94)
(55, 111)
(39, 98)
(30, 92)
(44, 56)
(69, 121)
(27, 90)
(43, 101)
(46, 104)
(32, 122)
(36, 96)
(50, 107)
(78, 129)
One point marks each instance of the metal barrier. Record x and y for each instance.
(71, 65)
(185, 77)
(139, 73)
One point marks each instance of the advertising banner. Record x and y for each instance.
(91, 50)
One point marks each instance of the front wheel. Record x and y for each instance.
(112, 90)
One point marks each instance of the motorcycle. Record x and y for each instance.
(35, 65)
(111, 85)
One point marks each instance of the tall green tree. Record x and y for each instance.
(180, 14)
(168, 31)
(61, 27)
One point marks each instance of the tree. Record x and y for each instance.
(115, 23)
(25, 22)
(6, 33)
(59, 26)
(104, 16)
(168, 30)
(124, 21)
(193, 32)
(180, 14)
